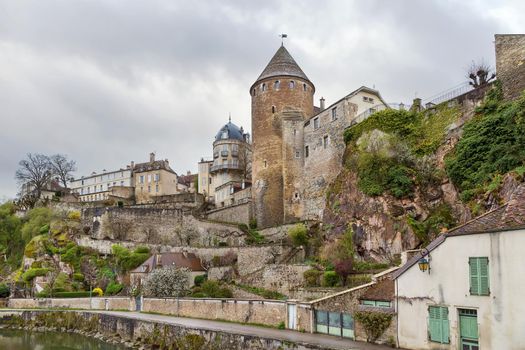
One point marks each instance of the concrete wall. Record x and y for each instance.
(510, 63)
(501, 315)
(238, 213)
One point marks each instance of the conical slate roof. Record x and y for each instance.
(282, 63)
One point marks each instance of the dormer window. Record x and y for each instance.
(224, 135)
(276, 85)
(292, 84)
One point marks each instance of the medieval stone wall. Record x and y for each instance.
(510, 63)
(326, 147)
(238, 213)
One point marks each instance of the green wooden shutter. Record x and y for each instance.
(445, 326)
(438, 324)
(483, 276)
(474, 276)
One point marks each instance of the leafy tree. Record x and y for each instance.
(4, 290)
(11, 242)
(62, 168)
(168, 281)
(127, 260)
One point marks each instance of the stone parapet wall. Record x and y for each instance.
(269, 313)
(238, 213)
(96, 303)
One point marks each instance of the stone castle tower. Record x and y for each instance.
(282, 98)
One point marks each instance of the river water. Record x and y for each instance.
(24, 340)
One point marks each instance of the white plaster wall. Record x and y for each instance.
(501, 315)
(364, 105)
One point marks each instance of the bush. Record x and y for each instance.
(330, 279)
(281, 325)
(199, 280)
(374, 323)
(212, 289)
(168, 281)
(299, 235)
(38, 219)
(31, 273)
(311, 277)
(78, 277)
(67, 294)
(113, 288)
(4, 291)
(127, 260)
(74, 215)
(98, 291)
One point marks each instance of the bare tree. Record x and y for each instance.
(245, 161)
(62, 168)
(90, 271)
(480, 74)
(33, 174)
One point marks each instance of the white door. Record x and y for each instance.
(292, 316)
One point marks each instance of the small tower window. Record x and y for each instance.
(253, 92)
(306, 152)
(292, 84)
(304, 87)
(263, 87)
(277, 85)
(265, 164)
(273, 109)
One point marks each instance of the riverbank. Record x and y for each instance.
(140, 329)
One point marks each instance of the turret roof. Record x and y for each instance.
(282, 63)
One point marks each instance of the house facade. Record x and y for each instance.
(98, 187)
(468, 297)
(153, 180)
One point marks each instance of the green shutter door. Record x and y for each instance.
(474, 279)
(468, 329)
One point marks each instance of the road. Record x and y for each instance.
(236, 328)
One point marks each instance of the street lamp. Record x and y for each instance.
(424, 263)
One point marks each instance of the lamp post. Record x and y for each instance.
(424, 262)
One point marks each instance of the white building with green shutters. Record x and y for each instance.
(465, 290)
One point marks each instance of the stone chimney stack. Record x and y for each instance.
(321, 103)
(188, 172)
(132, 165)
(152, 157)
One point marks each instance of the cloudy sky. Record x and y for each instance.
(107, 82)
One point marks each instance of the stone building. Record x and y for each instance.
(154, 179)
(229, 174)
(510, 63)
(99, 187)
(298, 148)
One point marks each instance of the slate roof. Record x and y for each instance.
(382, 291)
(155, 165)
(188, 260)
(510, 216)
(232, 132)
(187, 179)
(282, 64)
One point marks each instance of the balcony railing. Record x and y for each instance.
(224, 153)
(235, 153)
(225, 166)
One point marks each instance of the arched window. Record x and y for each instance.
(304, 87)
(276, 85)
(292, 84)
(253, 92)
(263, 87)
(273, 109)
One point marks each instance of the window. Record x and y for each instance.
(265, 164)
(149, 188)
(121, 183)
(438, 325)
(316, 123)
(294, 132)
(157, 177)
(157, 188)
(273, 109)
(479, 276)
(89, 190)
(334, 113)
(304, 87)
(149, 177)
(292, 84)
(297, 154)
(306, 152)
(325, 141)
(376, 303)
(141, 179)
(277, 85)
(263, 87)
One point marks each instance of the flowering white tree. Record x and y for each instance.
(168, 281)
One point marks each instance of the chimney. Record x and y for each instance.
(152, 157)
(321, 103)
(132, 165)
(188, 172)
(166, 161)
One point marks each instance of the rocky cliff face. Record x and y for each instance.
(384, 225)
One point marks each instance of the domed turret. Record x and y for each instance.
(230, 131)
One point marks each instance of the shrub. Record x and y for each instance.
(253, 223)
(213, 289)
(127, 260)
(78, 277)
(299, 235)
(74, 215)
(37, 220)
(311, 277)
(98, 291)
(343, 268)
(4, 291)
(68, 294)
(113, 288)
(31, 273)
(374, 323)
(281, 325)
(330, 279)
(199, 280)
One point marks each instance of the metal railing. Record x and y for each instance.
(449, 94)
(217, 167)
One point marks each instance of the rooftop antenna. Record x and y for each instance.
(283, 36)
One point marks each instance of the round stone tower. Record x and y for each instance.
(282, 98)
